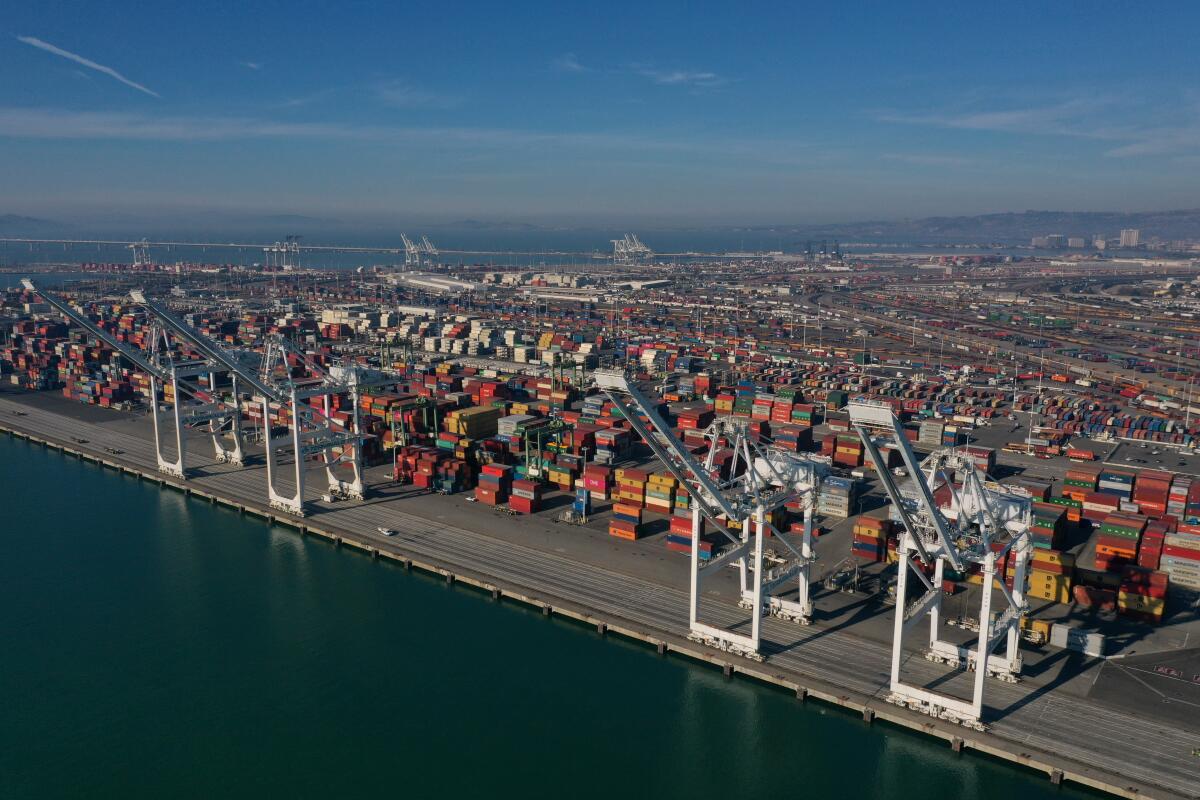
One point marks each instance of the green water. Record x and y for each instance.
(155, 646)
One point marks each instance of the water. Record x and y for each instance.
(156, 646)
(579, 242)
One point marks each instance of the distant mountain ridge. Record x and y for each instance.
(1010, 227)
(15, 224)
(1001, 228)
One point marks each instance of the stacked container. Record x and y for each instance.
(631, 486)
(1117, 544)
(660, 492)
(1143, 594)
(494, 483)
(1181, 560)
(597, 480)
(626, 522)
(871, 536)
(679, 537)
(1117, 482)
(526, 496)
(1049, 522)
(1152, 492)
(1178, 495)
(848, 451)
(1050, 575)
(836, 496)
(793, 438)
(930, 433)
(1153, 539)
(1080, 481)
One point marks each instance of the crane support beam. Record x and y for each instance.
(674, 456)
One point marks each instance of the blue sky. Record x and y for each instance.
(688, 112)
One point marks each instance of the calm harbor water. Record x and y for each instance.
(156, 646)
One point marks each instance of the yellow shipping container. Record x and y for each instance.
(1137, 602)
(1054, 557)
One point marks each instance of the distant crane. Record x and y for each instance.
(629, 249)
(412, 252)
(285, 254)
(141, 253)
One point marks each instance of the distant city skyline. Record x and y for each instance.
(669, 113)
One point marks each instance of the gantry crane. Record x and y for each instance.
(629, 249)
(412, 252)
(312, 432)
(222, 418)
(984, 523)
(428, 248)
(760, 480)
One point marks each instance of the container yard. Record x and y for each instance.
(709, 428)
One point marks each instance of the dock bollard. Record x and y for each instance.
(449, 578)
(727, 670)
(601, 628)
(801, 694)
(1056, 777)
(546, 611)
(495, 594)
(868, 715)
(956, 744)
(662, 648)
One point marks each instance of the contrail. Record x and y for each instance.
(109, 71)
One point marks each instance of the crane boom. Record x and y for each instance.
(207, 348)
(79, 319)
(669, 450)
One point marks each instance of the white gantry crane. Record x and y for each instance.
(985, 522)
(223, 418)
(141, 253)
(412, 251)
(629, 249)
(313, 433)
(427, 247)
(760, 480)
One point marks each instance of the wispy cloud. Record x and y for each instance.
(254, 65)
(52, 123)
(401, 94)
(569, 62)
(1056, 119)
(305, 99)
(78, 59)
(1095, 118)
(697, 79)
(688, 78)
(928, 159)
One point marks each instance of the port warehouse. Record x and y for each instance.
(1117, 540)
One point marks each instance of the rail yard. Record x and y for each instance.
(958, 493)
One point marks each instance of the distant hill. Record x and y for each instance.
(17, 225)
(1010, 227)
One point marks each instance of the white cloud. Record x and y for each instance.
(681, 77)
(254, 65)
(401, 94)
(78, 59)
(1089, 118)
(568, 62)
